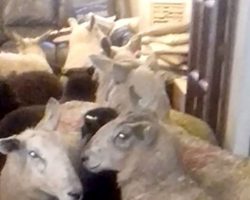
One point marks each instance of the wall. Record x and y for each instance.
(238, 122)
(142, 8)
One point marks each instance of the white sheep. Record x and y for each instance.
(84, 40)
(39, 162)
(30, 57)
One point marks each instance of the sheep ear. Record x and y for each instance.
(44, 36)
(144, 131)
(106, 47)
(101, 62)
(72, 22)
(51, 116)
(9, 144)
(112, 18)
(17, 37)
(105, 24)
(134, 43)
(91, 23)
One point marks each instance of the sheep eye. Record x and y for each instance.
(33, 154)
(122, 136)
(122, 140)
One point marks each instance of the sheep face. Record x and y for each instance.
(41, 159)
(116, 144)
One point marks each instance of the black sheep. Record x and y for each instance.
(95, 119)
(8, 100)
(18, 120)
(80, 85)
(102, 185)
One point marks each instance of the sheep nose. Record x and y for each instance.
(75, 195)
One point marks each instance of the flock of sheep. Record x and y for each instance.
(104, 128)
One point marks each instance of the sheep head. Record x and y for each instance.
(135, 145)
(41, 159)
(131, 49)
(30, 45)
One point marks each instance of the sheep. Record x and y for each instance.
(102, 185)
(106, 24)
(17, 121)
(119, 31)
(95, 186)
(193, 125)
(103, 64)
(8, 101)
(121, 82)
(95, 119)
(26, 89)
(20, 119)
(30, 57)
(39, 161)
(35, 87)
(27, 117)
(79, 85)
(142, 149)
(84, 40)
(124, 75)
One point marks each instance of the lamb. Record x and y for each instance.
(142, 149)
(160, 161)
(26, 89)
(17, 121)
(20, 119)
(121, 79)
(27, 117)
(124, 75)
(119, 31)
(79, 85)
(103, 64)
(41, 171)
(102, 185)
(95, 119)
(35, 87)
(84, 40)
(30, 57)
(8, 101)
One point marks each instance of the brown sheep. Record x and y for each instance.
(35, 88)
